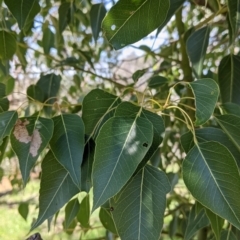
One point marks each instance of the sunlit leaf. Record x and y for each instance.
(67, 144)
(137, 205)
(71, 211)
(211, 175)
(106, 220)
(24, 11)
(228, 78)
(129, 21)
(197, 45)
(206, 93)
(28, 139)
(56, 188)
(97, 14)
(8, 45)
(7, 119)
(195, 223)
(120, 146)
(84, 212)
(96, 105)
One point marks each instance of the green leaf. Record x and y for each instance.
(228, 235)
(232, 108)
(35, 92)
(129, 21)
(71, 211)
(228, 79)
(174, 6)
(96, 105)
(107, 220)
(137, 205)
(4, 105)
(231, 126)
(47, 40)
(195, 223)
(3, 148)
(210, 134)
(138, 74)
(7, 119)
(157, 81)
(211, 175)
(86, 168)
(127, 109)
(56, 188)
(9, 82)
(23, 210)
(84, 212)
(63, 13)
(216, 223)
(120, 146)
(197, 45)
(24, 11)
(206, 93)
(234, 17)
(29, 138)
(97, 14)
(67, 144)
(8, 45)
(2, 90)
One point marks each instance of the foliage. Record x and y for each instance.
(157, 150)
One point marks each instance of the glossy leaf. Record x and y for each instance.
(216, 223)
(84, 212)
(71, 211)
(137, 205)
(211, 175)
(195, 223)
(197, 45)
(97, 14)
(67, 144)
(96, 105)
(86, 168)
(8, 45)
(24, 11)
(234, 17)
(127, 109)
(28, 139)
(232, 108)
(107, 220)
(174, 6)
(231, 126)
(56, 188)
(7, 119)
(120, 146)
(23, 210)
(206, 93)
(210, 134)
(228, 78)
(157, 81)
(129, 21)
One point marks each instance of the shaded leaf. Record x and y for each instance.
(228, 79)
(67, 144)
(71, 211)
(96, 105)
(137, 205)
(129, 21)
(138, 74)
(120, 146)
(28, 139)
(47, 40)
(228, 235)
(7, 119)
(35, 92)
(54, 183)
(84, 212)
(232, 108)
(157, 81)
(8, 45)
(9, 82)
(4, 104)
(63, 15)
(86, 168)
(107, 221)
(206, 93)
(23, 210)
(195, 223)
(211, 175)
(2, 90)
(3, 148)
(197, 45)
(97, 14)
(29, 9)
